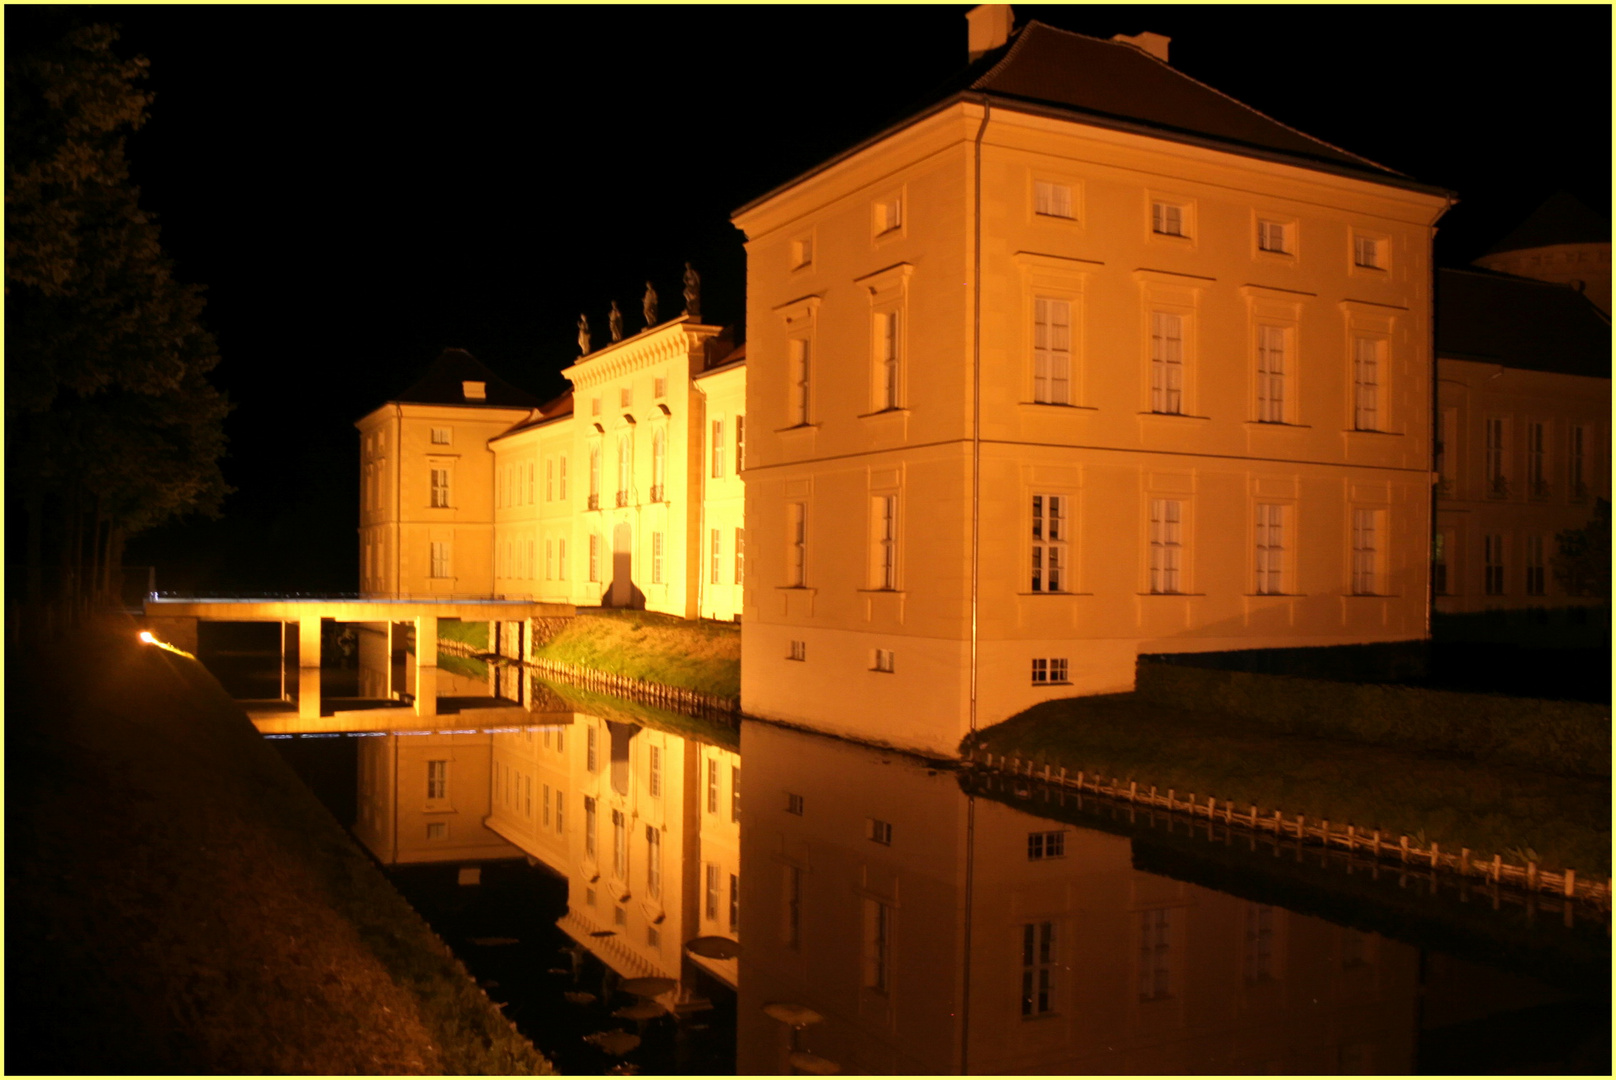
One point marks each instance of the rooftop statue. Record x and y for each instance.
(584, 347)
(649, 306)
(614, 323)
(692, 293)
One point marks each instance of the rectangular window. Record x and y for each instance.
(884, 564)
(592, 751)
(1493, 564)
(1270, 541)
(712, 786)
(877, 944)
(884, 660)
(437, 830)
(1273, 236)
(800, 370)
(1537, 474)
(718, 449)
(740, 443)
(560, 824)
(1049, 543)
(653, 861)
(590, 825)
(659, 388)
(1271, 374)
(440, 436)
(717, 544)
(1046, 845)
(625, 396)
(794, 804)
(561, 478)
(889, 215)
(1155, 954)
(799, 651)
(654, 771)
(440, 487)
(879, 831)
(440, 558)
(1576, 468)
(561, 560)
(802, 252)
(791, 934)
(594, 406)
(734, 903)
(1366, 552)
(545, 805)
(1366, 384)
(712, 893)
(1439, 563)
(1367, 252)
(1051, 199)
(619, 915)
(1166, 545)
(1535, 580)
(1166, 219)
(886, 360)
(1037, 968)
(549, 480)
(1050, 670)
(653, 937)
(1166, 362)
(735, 793)
(797, 549)
(1259, 943)
(1052, 351)
(527, 468)
(594, 557)
(437, 780)
(619, 845)
(740, 556)
(656, 558)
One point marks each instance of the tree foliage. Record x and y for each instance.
(108, 406)
(1582, 561)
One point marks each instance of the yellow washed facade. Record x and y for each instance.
(1034, 393)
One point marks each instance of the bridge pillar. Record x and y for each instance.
(308, 641)
(426, 665)
(286, 655)
(395, 645)
(308, 693)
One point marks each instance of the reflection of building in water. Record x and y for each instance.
(857, 901)
(631, 817)
(423, 798)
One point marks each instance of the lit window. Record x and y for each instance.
(884, 526)
(1166, 544)
(1046, 845)
(440, 436)
(1270, 543)
(1166, 362)
(1273, 236)
(1271, 374)
(1366, 384)
(1368, 252)
(1051, 199)
(437, 780)
(1167, 219)
(1038, 961)
(440, 487)
(1052, 351)
(879, 831)
(1493, 564)
(1366, 552)
(1048, 543)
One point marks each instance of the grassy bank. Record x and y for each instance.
(1488, 807)
(696, 655)
(178, 902)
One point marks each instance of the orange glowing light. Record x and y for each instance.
(146, 636)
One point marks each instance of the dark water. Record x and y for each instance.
(891, 917)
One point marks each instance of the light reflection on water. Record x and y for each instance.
(881, 918)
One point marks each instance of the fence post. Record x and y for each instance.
(1402, 842)
(1570, 883)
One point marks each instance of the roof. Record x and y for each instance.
(1119, 85)
(559, 408)
(1563, 219)
(442, 384)
(1520, 323)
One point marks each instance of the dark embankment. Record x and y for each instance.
(177, 902)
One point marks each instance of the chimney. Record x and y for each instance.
(990, 27)
(1154, 44)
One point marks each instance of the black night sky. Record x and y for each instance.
(360, 187)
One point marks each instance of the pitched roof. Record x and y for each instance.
(1562, 219)
(1118, 85)
(1520, 323)
(442, 384)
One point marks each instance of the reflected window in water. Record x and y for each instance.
(619, 845)
(589, 825)
(655, 772)
(734, 903)
(877, 944)
(735, 793)
(437, 780)
(712, 786)
(1259, 942)
(712, 892)
(1155, 954)
(653, 861)
(1037, 968)
(592, 755)
(792, 930)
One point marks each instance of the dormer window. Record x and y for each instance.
(474, 391)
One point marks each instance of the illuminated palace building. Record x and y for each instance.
(1082, 360)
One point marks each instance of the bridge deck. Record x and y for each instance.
(225, 609)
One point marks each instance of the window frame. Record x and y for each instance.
(1047, 356)
(1270, 552)
(1167, 572)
